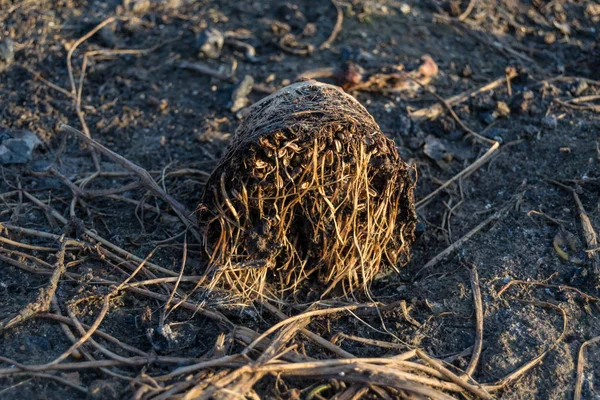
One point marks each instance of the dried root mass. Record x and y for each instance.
(310, 191)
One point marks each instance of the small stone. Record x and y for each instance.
(310, 30)
(467, 71)
(404, 124)
(7, 53)
(133, 25)
(435, 149)
(169, 337)
(578, 87)
(270, 78)
(210, 43)
(550, 38)
(17, 147)
(502, 109)
(498, 134)
(593, 10)
(485, 101)
(405, 8)
(108, 37)
(139, 7)
(489, 117)
(415, 142)
(550, 122)
(531, 130)
(239, 97)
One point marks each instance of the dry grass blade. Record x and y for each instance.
(478, 323)
(54, 378)
(481, 393)
(581, 366)
(337, 27)
(389, 374)
(312, 336)
(242, 380)
(302, 316)
(74, 94)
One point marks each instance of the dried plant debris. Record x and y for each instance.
(353, 77)
(310, 190)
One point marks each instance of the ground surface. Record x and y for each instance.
(166, 118)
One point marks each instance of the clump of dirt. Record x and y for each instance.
(309, 187)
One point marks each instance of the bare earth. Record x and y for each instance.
(176, 123)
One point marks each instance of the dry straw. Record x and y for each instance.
(309, 196)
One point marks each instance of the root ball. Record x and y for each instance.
(310, 196)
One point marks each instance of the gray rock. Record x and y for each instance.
(108, 36)
(435, 149)
(17, 147)
(7, 53)
(550, 122)
(210, 43)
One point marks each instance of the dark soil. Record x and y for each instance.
(167, 118)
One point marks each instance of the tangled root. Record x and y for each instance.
(309, 191)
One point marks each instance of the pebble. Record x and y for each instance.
(210, 43)
(467, 71)
(435, 149)
(7, 53)
(524, 102)
(578, 87)
(531, 130)
(550, 122)
(239, 97)
(17, 147)
(502, 109)
(137, 6)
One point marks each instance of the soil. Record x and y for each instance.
(166, 118)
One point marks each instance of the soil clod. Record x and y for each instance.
(299, 194)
